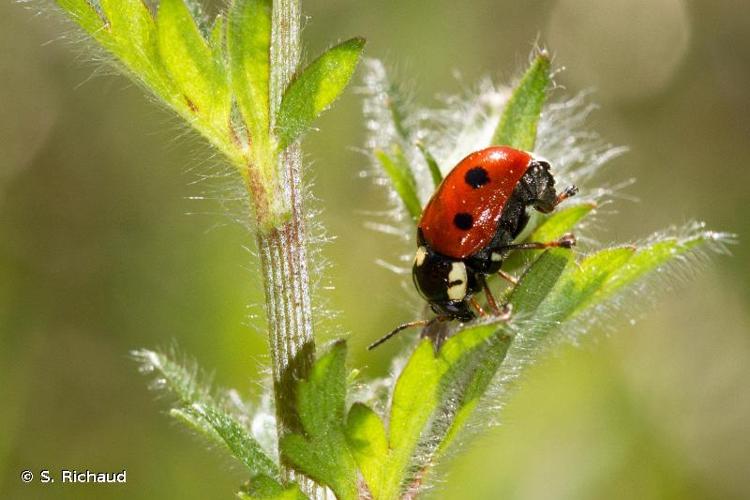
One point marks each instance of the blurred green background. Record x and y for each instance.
(98, 255)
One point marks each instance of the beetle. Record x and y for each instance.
(467, 229)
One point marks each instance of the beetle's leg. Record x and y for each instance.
(566, 193)
(508, 277)
(566, 241)
(476, 305)
(490, 298)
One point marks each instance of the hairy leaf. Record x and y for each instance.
(579, 283)
(315, 89)
(322, 452)
(234, 435)
(366, 436)
(83, 13)
(429, 385)
(202, 413)
(385, 108)
(264, 488)
(659, 252)
(398, 169)
(518, 124)
(195, 71)
(432, 164)
(249, 46)
(562, 221)
(217, 37)
(131, 36)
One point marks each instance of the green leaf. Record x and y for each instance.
(83, 13)
(562, 221)
(578, 285)
(202, 413)
(428, 393)
(538, 280)
(652, 257)
(315, 89)
(386, 106)
(217, 37)
(131, 36)
(368, 442)
(192, 66)
(518, 124)
(432, 164)
(402, 178)
(264, 488)
(249, 46)
(235, 437)
(322, 452)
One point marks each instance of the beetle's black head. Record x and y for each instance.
(445, 283)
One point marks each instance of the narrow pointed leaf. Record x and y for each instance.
(249, 46)
(652, 256)
(189, 60)
(386, 107)
(562, 221)
(201, 412)
(518, 124)
(315, 89)
(236, 437)
(576, 288)
(398, 170)
(132, 37)
(217, 37)
(432, 164)
(83, 13)
(538, 280)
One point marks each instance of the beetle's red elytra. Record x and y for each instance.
(462, 216)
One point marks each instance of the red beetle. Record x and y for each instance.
(468, 227)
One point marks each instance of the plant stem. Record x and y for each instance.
(283, 250)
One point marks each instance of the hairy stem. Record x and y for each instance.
(283, 250)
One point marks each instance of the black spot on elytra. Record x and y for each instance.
(463, 221)
(476, 177)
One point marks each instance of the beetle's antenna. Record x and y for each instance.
(419, 322)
